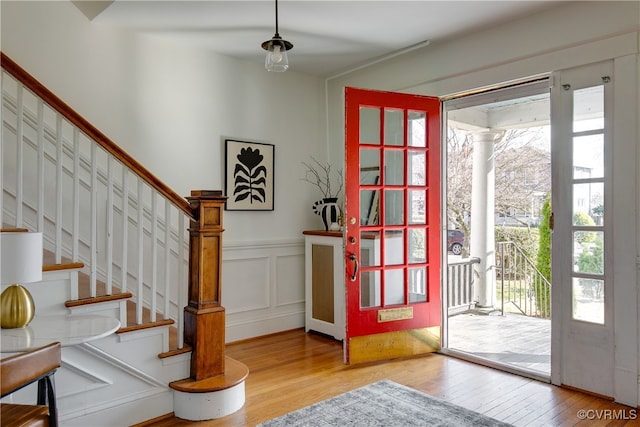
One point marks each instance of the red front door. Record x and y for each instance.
(392, 237)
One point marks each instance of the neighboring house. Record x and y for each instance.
(532, 183)
(172, 107)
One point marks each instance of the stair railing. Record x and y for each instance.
(93, 202)
(521, 283)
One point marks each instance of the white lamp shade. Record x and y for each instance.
(21, 255)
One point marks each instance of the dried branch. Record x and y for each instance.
(319, 175)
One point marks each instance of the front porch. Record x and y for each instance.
(520, 341)
(516, 329)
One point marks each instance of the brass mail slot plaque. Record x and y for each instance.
(392, 314)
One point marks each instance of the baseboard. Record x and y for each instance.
(126, 413)
(237, 331)
(155, 420)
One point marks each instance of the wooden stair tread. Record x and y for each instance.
(146, 325)
(176, 351)
(85, 298)
(99, 299)
(65, 266)
(234, 373)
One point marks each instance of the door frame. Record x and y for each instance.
(625, 233)
(513, 90)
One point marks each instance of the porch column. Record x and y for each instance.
(482, 239)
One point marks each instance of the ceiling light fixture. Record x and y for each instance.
(276, 50)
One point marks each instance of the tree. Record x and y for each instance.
(522, 174)
(543, 260)
(582, 219)
(591, 260)
(460, 164)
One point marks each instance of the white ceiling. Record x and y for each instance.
(329, 36)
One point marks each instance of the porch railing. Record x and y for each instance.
(460, 280)
(521, 284)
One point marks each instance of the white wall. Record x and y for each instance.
(570, 35)
(171, 108)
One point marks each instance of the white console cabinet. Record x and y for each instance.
(324, 283)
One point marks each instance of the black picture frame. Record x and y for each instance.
(249, 175)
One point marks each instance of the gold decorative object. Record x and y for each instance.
(21, 256)
(16, 306)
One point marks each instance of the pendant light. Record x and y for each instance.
(276, 50)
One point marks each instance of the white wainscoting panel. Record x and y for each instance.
(289, 274)
(245, 283)
(262, 287)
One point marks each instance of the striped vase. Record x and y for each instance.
(328, 210)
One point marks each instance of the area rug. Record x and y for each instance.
(383, 404)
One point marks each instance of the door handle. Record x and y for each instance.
(354, 259)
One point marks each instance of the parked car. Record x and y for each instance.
(455, 240)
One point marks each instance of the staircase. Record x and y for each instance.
(115, 245)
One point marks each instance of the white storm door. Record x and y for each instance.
(582, 243)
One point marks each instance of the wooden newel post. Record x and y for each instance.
(215, 387)
(204, 316)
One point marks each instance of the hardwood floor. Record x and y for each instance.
(294, 369)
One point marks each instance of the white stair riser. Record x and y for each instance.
(118, 380)
(117, 309)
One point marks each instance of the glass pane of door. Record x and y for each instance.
(393, 127)
(588, 284)
(370, 125)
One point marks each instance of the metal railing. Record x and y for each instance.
(521, 284)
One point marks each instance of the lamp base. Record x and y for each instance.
(16, 307)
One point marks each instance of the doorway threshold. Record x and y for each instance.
(474, 358)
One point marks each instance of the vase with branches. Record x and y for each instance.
(319, 175)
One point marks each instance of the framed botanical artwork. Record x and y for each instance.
(249, 175)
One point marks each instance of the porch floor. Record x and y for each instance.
(514, 339)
